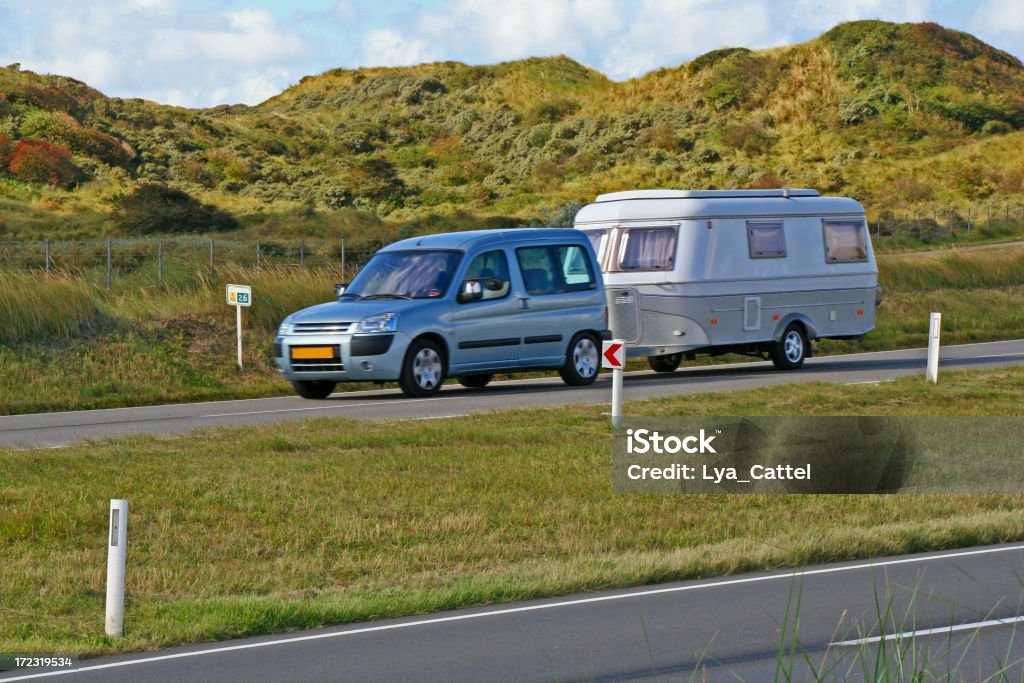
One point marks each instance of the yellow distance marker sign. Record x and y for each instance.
(239, 295)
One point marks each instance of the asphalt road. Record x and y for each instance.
(58, 429)
(962, 607)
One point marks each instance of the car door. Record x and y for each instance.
(485, 333)
(556, 299)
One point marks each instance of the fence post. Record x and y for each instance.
(302, 253)
(1006, 222)
(110, 262)
(47, 257)
(257, 253)
(343, 259)
(988, 216)
(211, 258)
(969, 208)
(160, 263)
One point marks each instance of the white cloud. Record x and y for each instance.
(387, 47)
(999, 17)
(206, 52)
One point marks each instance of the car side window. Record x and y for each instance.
(491, 270)
(576, 270)
(555, 269)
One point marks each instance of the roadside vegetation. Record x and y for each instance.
(912, 119)
(66, 343)
(269, 528)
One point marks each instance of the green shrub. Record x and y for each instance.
(996, 128)
(156, 208)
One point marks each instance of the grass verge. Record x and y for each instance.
(66, 344)
(243, 531)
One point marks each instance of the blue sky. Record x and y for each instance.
(207, 52)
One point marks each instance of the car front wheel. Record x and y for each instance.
(314, 388)
(423, 369)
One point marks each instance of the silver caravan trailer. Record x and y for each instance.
(732, 271)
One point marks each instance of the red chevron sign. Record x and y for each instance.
(612, 354)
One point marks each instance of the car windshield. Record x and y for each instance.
(423, 274)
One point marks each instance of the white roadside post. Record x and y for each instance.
(238, 296)
(935, 324)
(117, 543)
(613, 355)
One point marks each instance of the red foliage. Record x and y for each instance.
(38, 161)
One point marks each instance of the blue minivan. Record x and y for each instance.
(463, 305)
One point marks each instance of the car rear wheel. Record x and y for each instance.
(582, 361)
(422, 370)
(789, 352)
(476, 381)
(314, 388)
(667, 363)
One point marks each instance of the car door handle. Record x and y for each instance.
(524, 303)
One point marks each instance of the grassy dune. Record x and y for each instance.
(245, 531)
(68, 344)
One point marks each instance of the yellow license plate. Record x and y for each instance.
(313, 352)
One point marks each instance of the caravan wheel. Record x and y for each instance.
(667, 363)
(790, 351)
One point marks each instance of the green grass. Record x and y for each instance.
(66, 343)
(244, 531)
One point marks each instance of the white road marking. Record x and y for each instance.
(527, 608)
(941, 630)
(870, 381)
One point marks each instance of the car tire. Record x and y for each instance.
(422, 370)
(789, 352)
(476, 381)
(314, 388)
(582, 361)
(667, 363)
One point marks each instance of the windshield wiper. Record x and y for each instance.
(387, 296)
(354, 296)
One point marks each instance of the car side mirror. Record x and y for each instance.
(340, 288)
(471, 290)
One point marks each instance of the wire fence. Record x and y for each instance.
(174, 261)
(133, 262)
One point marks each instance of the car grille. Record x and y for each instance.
(318, 365)
(321, 328)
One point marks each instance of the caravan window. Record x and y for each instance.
(647, 249)
(766, 240)
(598, 239)
(845, 241)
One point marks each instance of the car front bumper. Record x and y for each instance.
(358, 357)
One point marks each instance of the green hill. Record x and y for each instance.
(897, 115)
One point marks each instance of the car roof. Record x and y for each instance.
(472, 239)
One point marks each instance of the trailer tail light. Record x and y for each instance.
(714, 321)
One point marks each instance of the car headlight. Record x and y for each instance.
(382, 322)
(286, 328)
